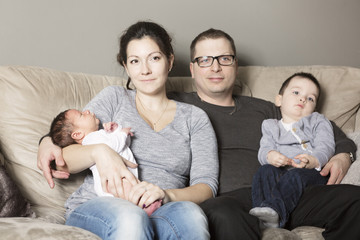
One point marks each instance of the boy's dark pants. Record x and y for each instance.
(281, 188)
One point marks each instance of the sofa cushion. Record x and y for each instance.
(30, 98)
(340, 100)
(27, 228)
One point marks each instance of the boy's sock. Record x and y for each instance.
(268, 216)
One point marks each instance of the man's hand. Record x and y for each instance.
(337, 166)
(277, 159)
(47, 153)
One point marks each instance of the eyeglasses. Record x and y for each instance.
(207, 61)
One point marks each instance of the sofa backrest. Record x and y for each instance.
(32, 96)
(30, 99)
(340, 86)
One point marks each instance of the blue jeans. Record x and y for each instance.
(114, 218)
(281, 188)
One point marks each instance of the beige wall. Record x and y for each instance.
(82, 35)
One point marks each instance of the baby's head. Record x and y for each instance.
(71, 126)
(298, 96)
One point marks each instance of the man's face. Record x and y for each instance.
(215, 81)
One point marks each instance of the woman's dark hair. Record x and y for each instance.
(140, 30)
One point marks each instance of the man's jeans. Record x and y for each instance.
(281, 188)
(114, 218)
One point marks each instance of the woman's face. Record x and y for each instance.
(147, 66)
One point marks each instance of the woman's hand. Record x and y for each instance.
(277, 159)
(112, 170)
(144, 194)
(47, 153)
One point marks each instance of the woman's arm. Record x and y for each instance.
(196, 193)
(144, 194)
(109, 163)
(47, 153)
(80, 157)
(204, 168)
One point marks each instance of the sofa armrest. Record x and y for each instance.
(353, 174)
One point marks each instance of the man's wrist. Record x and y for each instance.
(352, 158)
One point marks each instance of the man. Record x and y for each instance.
(237, 123)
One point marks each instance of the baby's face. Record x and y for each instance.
(85, 120)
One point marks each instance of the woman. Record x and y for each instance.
(174, 145)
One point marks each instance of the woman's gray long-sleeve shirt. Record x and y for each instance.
(182, 154)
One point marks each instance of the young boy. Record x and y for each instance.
(72, 126)
(292, 151)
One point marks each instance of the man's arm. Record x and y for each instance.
(339, 164)
(342, 142)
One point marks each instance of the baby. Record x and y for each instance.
(75, 127)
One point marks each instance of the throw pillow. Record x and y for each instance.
(12, 203)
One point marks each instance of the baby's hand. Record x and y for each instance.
(110, 126)
(305, 161)
(277, 159)
(128, 131)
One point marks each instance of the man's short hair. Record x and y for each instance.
(211, 34)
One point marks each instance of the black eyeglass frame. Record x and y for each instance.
(213, 58)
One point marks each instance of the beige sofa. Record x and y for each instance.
(31, 96)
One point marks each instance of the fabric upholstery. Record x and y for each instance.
(26, 228)
(353, 174)
(32, 96)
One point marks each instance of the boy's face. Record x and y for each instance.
(299, 99)
(83, 121)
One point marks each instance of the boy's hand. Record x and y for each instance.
(110, 126)
(305, 161)
(277, 159)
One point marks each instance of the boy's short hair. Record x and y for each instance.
(61, 129)
(302, 75)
